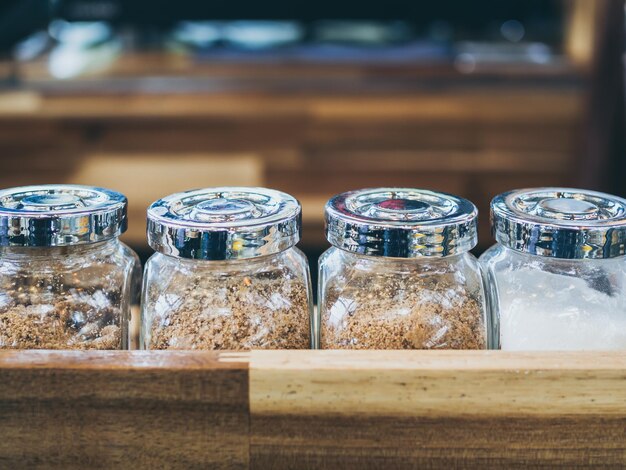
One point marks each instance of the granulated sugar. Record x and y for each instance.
(541, 310)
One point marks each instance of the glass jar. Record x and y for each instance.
(399, 274)
(66, 281)
(226, 273)
(557, 275)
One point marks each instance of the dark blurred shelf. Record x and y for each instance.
(172, 73)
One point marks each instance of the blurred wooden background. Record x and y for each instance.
(316, 130)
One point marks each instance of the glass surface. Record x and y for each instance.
(541, 303)
(390, 303)
(75, 297)
(261, 303)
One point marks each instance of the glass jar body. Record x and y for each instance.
(542, 303)
(260, 303)
(74, 297)
(368, 302)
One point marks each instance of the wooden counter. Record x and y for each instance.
(312, 409)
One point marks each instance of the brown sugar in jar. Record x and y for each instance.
(399, 274)
(244, 288)
(66, 281)
(407, 309)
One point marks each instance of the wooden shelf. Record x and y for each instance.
(311, 409)
(474, 141)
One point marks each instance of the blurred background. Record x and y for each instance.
(151, 97)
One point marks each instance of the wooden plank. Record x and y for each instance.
(442, 161)
(440, 383)
(398, 409)
(416, 135)
(456, 104)
(312, 409)
(123, 409)
(485, 107)
(380, 442)
(189, 68)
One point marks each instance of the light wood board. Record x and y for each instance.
(312, 409)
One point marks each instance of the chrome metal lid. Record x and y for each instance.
(401, 223)
(60, 215)
(224, 223)
(561, 223)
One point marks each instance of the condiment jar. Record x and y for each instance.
(399, 274)
(226, 273)
(66, 281)
(557, 275)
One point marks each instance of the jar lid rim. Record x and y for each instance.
(60, 215)
(401, 222)
(560, 222)
(220, 223)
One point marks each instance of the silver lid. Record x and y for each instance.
(401, 223)
(60, 215)
(224, 223)
(561, 223)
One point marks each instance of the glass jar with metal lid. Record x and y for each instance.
(226, 273)
(66, 281)
(557, 275)
(399, 274)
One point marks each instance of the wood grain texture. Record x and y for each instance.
(366, 442)
(437, 383)
(312, 409)
(426, 409)
(123, 410)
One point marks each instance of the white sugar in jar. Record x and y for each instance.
(557, 276)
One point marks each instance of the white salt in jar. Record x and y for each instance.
(557, 277)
